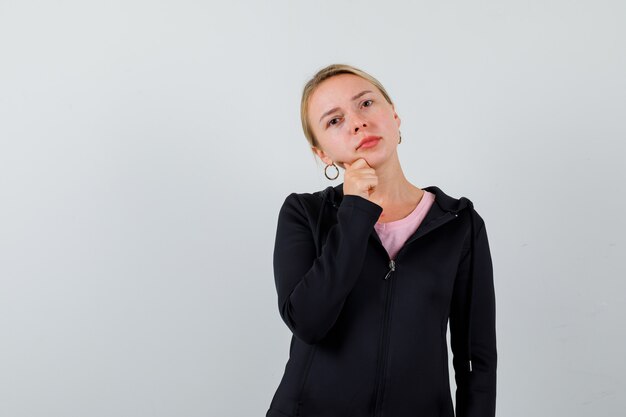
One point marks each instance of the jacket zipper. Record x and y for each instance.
(392, 267)
(380, 386)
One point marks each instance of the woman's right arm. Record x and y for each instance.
(312, 290)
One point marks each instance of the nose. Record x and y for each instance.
(358, 124)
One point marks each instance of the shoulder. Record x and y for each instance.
(447, 202)
(303, 206)
(462, 206)
(305, 200)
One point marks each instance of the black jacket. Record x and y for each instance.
(369, 333)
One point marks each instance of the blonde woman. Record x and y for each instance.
(368, 273)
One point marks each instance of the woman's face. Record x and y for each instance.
(345, 109)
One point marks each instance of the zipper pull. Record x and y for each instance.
(470, 364)
(392, 267)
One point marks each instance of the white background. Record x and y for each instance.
(146, 148)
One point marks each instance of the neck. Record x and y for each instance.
(393, 187)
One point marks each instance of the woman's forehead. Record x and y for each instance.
(338, 90)
(343, 85)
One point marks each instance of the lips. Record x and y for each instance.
(368, 140)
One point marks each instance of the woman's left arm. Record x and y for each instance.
(473, 327)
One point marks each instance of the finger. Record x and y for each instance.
(359, 163)
(365, 163)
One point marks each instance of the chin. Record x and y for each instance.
(375, 158)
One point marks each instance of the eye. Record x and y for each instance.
(330, 122)
(370, 100)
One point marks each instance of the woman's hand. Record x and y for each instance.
(359, 178)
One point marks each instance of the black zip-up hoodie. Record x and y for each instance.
(369, 332)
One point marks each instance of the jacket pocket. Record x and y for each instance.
(305, 379)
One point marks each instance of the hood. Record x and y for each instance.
(333, 195)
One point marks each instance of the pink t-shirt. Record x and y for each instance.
(394, 234)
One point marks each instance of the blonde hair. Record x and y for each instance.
(322, 75)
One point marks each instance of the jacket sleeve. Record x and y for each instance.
(473, 327)
(312, 290)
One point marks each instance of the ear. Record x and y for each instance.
(322, 155)
(395, 115)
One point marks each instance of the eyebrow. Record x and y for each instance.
(337, 108)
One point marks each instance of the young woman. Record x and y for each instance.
(369, 272)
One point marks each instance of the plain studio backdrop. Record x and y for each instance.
(147, 146)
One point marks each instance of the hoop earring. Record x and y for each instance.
(400, 140)
(326, 173)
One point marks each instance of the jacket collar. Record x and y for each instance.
(446, 203)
